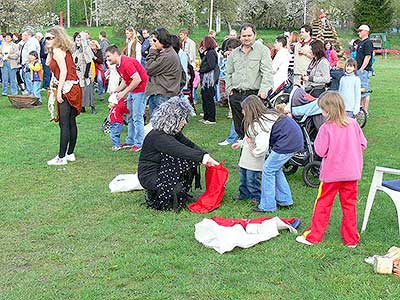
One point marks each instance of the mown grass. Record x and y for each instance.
(65, 236)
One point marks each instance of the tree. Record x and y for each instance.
(149, 14)
(378, 14)
(17, 14)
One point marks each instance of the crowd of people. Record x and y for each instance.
(163, 71)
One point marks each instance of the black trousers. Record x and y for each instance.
(235, 100)
(68, 129)
(207, 96)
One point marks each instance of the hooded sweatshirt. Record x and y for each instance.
(350, 89)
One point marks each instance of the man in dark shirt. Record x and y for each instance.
(145, 46)
(364, 62)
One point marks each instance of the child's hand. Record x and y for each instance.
(235, 146)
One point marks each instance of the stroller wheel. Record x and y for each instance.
(311, 174)
(362, 117)
(289, 169)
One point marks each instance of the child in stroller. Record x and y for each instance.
(305, 110)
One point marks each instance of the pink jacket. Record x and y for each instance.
(332, 57)
(341, 149)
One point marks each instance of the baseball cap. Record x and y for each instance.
(363, 27)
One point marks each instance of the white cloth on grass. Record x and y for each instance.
(125, 183)
(223, 239)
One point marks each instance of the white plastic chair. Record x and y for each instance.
(379, 185)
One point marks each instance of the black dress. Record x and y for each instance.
(167, 166)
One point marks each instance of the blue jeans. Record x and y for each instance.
(115, 133)
(9, 75)
(275, 189)
(217, 96)
(364, 77)
(250, 184)
(36, 86)
(46, 74)
(233, 137)
(136, 104)
(28, 81)
(100, 84)
(155, 101)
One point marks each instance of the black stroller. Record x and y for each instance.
(304, 109)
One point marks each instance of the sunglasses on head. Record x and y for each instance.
(49, 38)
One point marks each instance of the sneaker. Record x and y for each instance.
(209, 122)
(224, 143)
(201, 114)
(202, 120)
(56, 161)
(70, 157)
(238, 198)
(352, 246)
(125, 146)
(136, 148)
(302, 240)
(116, 148)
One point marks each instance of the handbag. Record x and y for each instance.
(216, 178)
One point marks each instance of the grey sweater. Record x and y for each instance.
(164, 70)
(319, 73)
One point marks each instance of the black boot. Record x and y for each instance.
(83, 109)
(93, 110)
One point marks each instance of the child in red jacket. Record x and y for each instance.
(117, 111)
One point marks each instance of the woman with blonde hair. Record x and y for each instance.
(133, 48)
(68, 92)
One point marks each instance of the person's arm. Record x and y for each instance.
(138, 52)
(262, 140)
(228, 74)
(121, 87)
(98, 57)
(35, 67)
(363, 140)
(322, 72)
(365, 63)
(136, 80)
(184, 140)
(209, 62)
(88, 68)
(357, 96)
(276, 62)
(321, 143)
(59, 57)
(266, 73)
(168, 144)
(154, 63)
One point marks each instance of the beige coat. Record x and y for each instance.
(13, 56)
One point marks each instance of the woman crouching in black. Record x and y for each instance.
(168, 160)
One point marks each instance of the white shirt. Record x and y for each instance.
(30, 45)
(280, 67)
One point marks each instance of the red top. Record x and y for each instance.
(118, 111)
(127, 68)
(74, 96)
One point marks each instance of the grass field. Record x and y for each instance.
(65, 236)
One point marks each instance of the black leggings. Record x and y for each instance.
(68, 129)
(207, 96)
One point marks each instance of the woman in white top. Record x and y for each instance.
(133, 48)
(280, 63)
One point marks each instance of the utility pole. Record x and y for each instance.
(211, 14)
(68, 13)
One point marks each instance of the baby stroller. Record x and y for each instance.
(280, 95)
(306, 112)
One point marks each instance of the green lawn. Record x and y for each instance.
(63, 235)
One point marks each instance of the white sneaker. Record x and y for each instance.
(209, 122)
(224, 143)
(301, 239)
(56, 161)
(201, 115)
(70, 157)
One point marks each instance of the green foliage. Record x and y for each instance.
(377, 14)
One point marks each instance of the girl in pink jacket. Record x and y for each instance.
(340, 142)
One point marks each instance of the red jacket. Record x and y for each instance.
(118, 111)
(332, 57)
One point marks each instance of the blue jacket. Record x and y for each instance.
(350, 89)
(286, 136)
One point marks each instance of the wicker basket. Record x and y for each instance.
(22, 101)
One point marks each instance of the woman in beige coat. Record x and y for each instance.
(9, 54)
